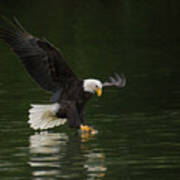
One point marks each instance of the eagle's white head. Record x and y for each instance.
(93, 86)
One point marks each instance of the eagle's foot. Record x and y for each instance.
(87, 129)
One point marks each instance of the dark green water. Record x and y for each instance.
(139, 126)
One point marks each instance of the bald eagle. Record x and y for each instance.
(47, 66)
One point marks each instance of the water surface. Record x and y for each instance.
(138, 126)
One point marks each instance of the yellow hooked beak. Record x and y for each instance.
(98, 91)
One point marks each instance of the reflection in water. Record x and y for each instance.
(45, 149)
(95, 165)
(55, 155)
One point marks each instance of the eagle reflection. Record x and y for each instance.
(57, 155)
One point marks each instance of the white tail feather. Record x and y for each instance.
(44, 116)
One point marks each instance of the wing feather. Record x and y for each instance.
(42, 60)
(117, 81)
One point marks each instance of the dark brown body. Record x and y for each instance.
(72, 104)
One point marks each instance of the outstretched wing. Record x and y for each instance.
(118, 81)
(42, 60)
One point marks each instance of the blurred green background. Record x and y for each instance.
(138, 126)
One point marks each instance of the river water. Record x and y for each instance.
(138, 126)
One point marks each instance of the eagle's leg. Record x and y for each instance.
(85, 128)
(72, 114)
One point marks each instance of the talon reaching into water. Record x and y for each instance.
(87, 129)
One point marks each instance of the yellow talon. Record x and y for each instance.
(87, 129)
(87, 133)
